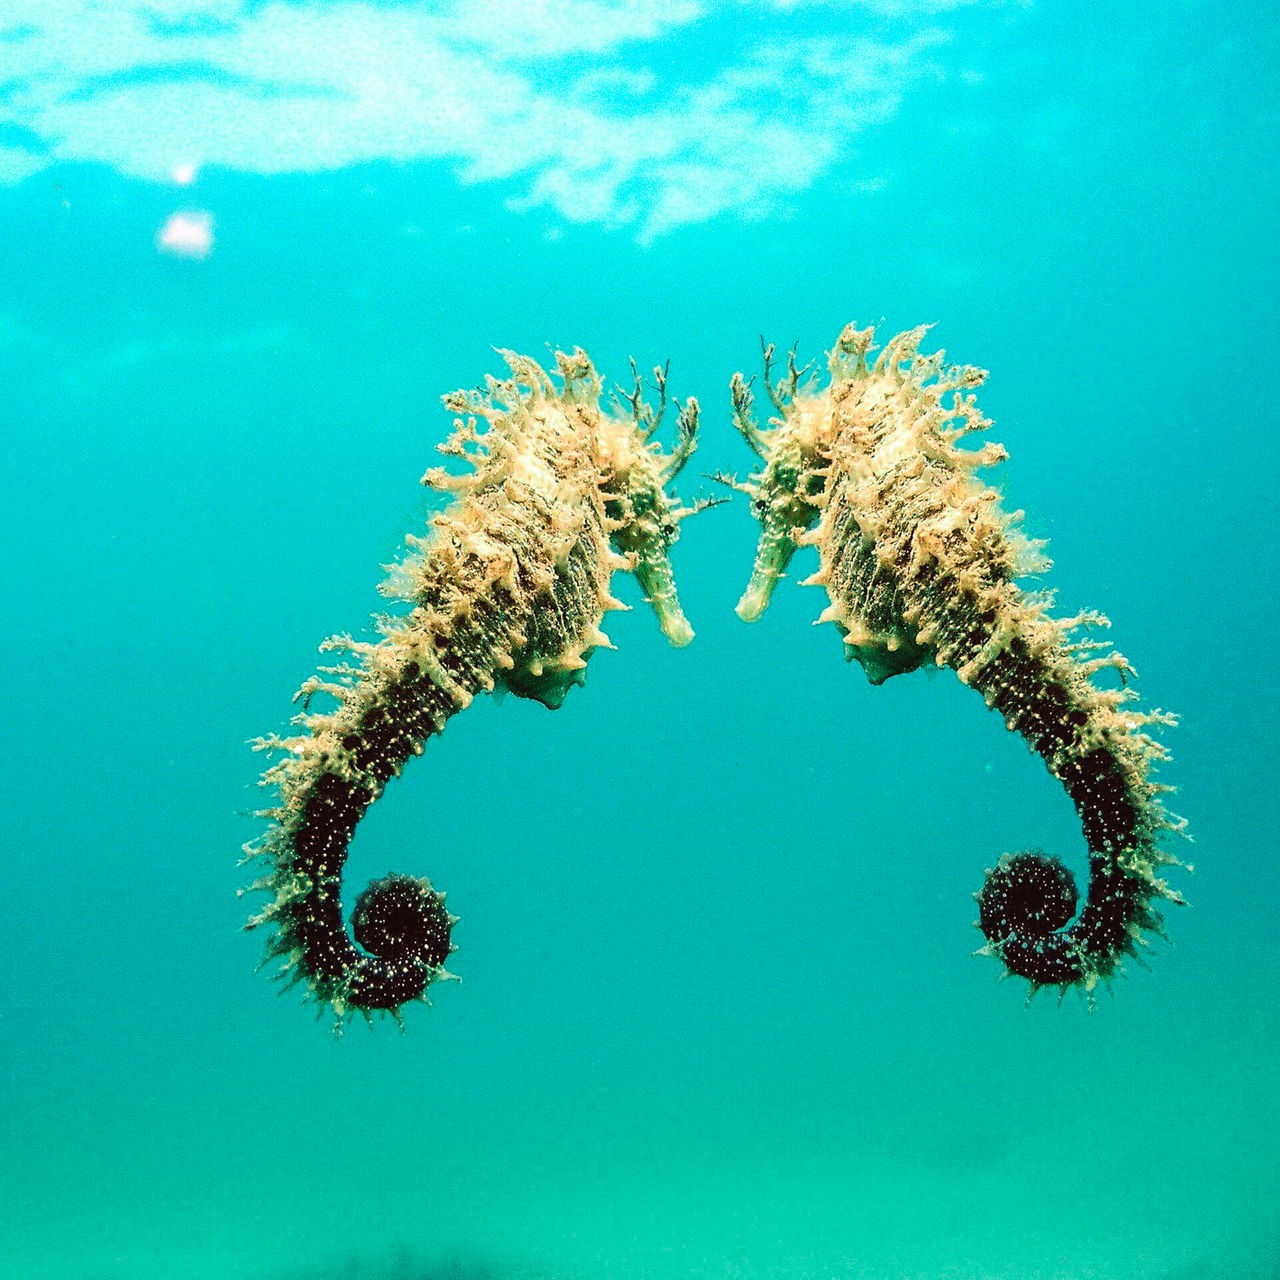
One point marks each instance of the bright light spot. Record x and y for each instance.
(184, 174)
(187, 235)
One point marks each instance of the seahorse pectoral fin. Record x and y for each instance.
(547, 685)
(881, 655)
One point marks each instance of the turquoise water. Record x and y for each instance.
(718, 1015)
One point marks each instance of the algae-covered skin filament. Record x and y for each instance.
(921, 565)
(508, 588)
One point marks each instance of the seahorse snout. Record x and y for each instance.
(773, 555)
(653, 573)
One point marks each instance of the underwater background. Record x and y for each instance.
(718, 1015)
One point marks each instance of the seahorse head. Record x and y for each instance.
(584, 452)
(786, 493)
(874, 416)
(643, 516)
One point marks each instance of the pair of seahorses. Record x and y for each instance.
(511, 585)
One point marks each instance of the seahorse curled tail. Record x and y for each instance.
(508, 589)
(920, 564)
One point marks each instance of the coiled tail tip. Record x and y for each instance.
(402, 917)
(402, 923)
(1026, 902)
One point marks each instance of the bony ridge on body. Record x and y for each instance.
(507, 590)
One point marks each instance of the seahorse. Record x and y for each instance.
(921, 564)
(507, 591)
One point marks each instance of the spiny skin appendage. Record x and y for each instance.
(920, 565)
(508, 589)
